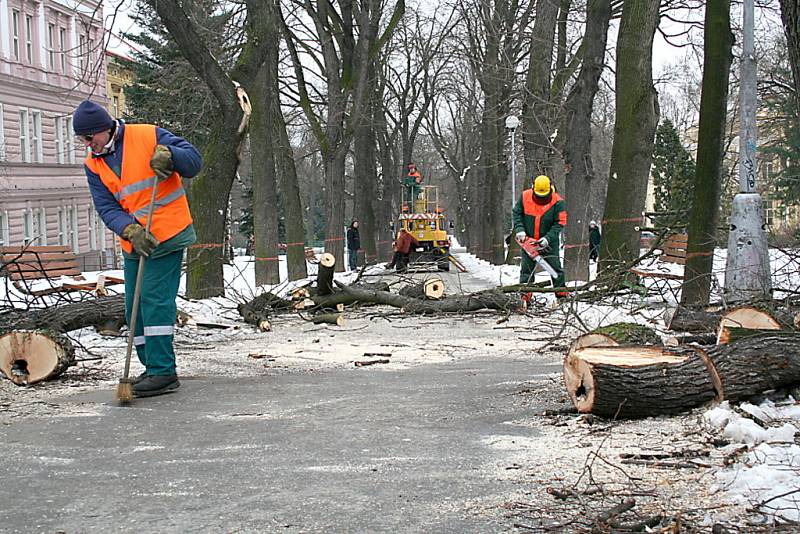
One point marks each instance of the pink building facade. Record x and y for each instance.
(51, 58)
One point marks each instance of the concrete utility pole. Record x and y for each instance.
(747, 272)
(511, 123)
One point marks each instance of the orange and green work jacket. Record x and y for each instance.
(540, 219)
(133, 189)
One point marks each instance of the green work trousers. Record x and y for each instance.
(155, 321)
(527, 268)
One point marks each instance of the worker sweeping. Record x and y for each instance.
(133, 169)
(541, 214)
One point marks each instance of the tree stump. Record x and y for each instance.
(327, 262)
(754, 364)
(634, 381)
(30, 356)
(432, 289)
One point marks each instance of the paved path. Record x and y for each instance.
(338, 450)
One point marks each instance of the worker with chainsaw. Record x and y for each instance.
(124, 162)
(402, 250)
(541, 214)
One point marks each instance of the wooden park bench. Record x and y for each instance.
(673, 251)
(26, 264)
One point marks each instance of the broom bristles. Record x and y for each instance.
(125, 392)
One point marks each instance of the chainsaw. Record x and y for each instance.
(533, 250)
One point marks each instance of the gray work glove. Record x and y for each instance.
(161, 162)
(143, 241)
(543, 243)
(521, 235)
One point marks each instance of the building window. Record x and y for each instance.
(2, 136)
(90, 213)
(36, 137)
(51, 46)
(60, 145)
(27, 227)
(29, 38)
(769, 211)
(40, 226)
(15, 33)
(72, 216)
(62, 48)
(69, 140)
(3, 228)
(24, 136)
(82, 53)
(101, 231)
(115, 106)
(62, 227)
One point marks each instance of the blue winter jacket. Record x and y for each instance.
(186, 161)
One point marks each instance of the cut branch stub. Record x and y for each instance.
(432, 289)
(27, 357)
(741, 322)
(632, 382)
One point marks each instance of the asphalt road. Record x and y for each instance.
(338, 450)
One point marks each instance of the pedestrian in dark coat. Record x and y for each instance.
(353, 245)
(594, 241)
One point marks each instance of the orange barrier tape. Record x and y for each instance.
(340, 238)
(295, 244)
(698, 254)
(582, 245)
(267, 259)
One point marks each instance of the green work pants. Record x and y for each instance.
(527, 268)
(155, 320)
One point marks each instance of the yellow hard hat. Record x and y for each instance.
(541, 186)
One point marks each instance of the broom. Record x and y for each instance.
(125, 387)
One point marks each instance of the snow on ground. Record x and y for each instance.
(758, 468)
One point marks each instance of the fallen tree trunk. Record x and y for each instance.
(682, 319)
(329, 318)
(27, 357)
(744, 321)
(68, 317)
(753, 365)
(257, 311)
(634, 382)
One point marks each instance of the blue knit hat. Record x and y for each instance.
(90, 118)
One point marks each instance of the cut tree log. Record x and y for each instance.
(330, 318)
(629, 334)
(432, 289)
(258, 310)
(327, 262)
(27, 357)
(755, 364)
(742, 322)
(633, 382)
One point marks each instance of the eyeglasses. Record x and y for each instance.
(85, 137)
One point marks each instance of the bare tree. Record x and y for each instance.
(634, 130)
(578, 134)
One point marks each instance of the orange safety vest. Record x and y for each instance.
(537, 211)
(416, 176)
(134, 188)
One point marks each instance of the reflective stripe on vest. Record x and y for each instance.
(133, 189)
(532, 209)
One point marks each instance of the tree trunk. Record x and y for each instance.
(634, 382)
(284, 158)
(578, 145)
(629, 334)
(68, 317)
(790, 15)
(265, 194)
(634, 131)
(704, 215)
(742, 322)
(27, 357)
(754, 365)
(536, 111)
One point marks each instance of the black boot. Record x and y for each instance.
(150, 386)
(140, 377)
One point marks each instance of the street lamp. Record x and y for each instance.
(511, 123)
